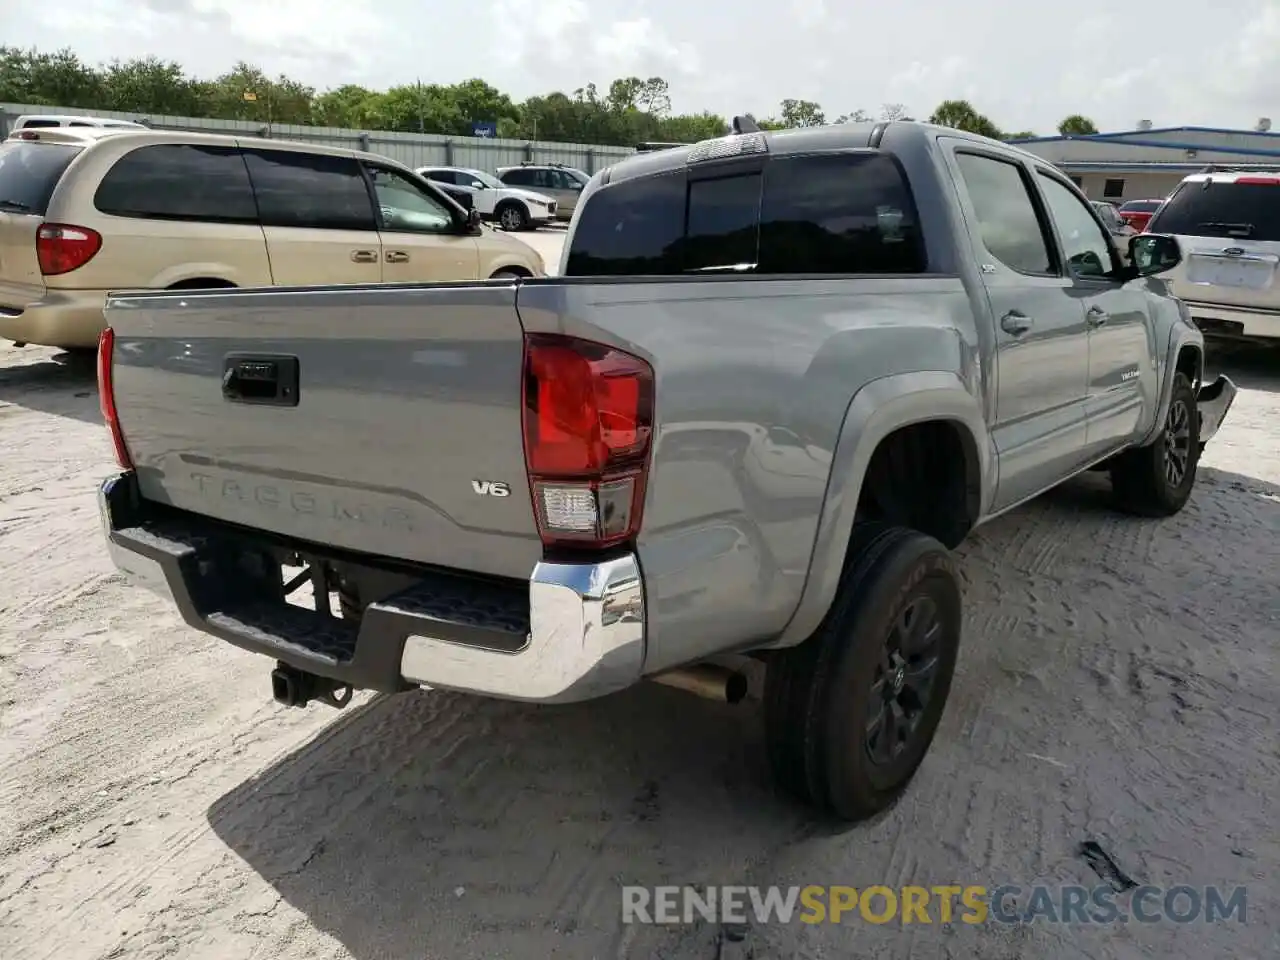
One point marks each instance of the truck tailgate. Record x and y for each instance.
(384, 420)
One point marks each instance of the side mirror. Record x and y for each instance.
(1153, 253)
(473, 218)
(464, 199)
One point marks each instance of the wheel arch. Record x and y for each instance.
(878, 412)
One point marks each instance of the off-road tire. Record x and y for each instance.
(818, 695)
(1140, 478)
(512, 216)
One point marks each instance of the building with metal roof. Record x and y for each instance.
(1147, 163)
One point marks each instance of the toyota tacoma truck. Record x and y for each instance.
(781, 376)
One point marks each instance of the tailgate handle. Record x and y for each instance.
(264, 380)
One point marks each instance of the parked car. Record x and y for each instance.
(513, 207)
(87, 210)
(563, 184)
(1109, 214)
(1228, 225)
(1137, 213)
(783, 375)
(33, 121)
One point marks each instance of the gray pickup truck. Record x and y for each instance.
(780, 377)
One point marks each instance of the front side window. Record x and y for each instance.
(1007, 221)
(1085, 247)
(405, 206)
(179, 182)
(312, 191)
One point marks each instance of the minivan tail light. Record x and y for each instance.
(107, 396)
(588, 425)
(63, 247)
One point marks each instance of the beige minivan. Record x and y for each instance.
(85, 211)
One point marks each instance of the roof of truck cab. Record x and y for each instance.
(839, 136)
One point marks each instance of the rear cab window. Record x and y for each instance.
(832, 213)
(198, 182)
(29, 172)
(1246, 208)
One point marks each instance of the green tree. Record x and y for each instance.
(802, 113)
(961, 115)
(1076, 125)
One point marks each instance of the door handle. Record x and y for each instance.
(397, 256)
(1016, 324)
(364, 256)
(267, 379)
(1096, 316)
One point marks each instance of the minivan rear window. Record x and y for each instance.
(1222, 208)
(29, 171)
(829, 213)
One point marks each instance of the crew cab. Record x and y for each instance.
(781, 376)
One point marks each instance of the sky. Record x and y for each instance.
(1025, 65)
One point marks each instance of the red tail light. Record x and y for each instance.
(588, 420)
(63, 247)
(107, 396)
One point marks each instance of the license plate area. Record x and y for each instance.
(1251, 273)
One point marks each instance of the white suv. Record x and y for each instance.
(512, 207)
(1228, 225)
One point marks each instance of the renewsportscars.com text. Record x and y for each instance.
(972, 904)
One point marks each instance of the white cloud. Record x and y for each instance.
(1116, 65)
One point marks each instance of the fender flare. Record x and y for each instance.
(877, 410)
(1178, 339)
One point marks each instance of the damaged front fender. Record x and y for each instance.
(1213, 401)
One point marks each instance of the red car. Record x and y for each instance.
(1137, 213)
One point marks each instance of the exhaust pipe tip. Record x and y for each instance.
(707, 680)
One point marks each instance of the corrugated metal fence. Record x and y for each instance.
(411, 149)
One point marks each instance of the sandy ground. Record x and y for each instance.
(1118, 683)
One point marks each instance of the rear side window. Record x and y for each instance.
(1241, 210)
(1008, 224)
(840, 213)
(442, 176)
(518, 178)
(29, 171)
(1140, 206)
(32, 124)
(846, 213)
(196, 182)
(314, 191)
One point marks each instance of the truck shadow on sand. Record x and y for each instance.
(433, 824)
(62, 384)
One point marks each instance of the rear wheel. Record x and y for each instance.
(1156, 480)
(513, 216)
(851, 712)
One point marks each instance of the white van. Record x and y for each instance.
(29, 120)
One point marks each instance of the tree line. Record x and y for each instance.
(629, 111)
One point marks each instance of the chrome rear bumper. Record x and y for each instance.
(575, 632)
